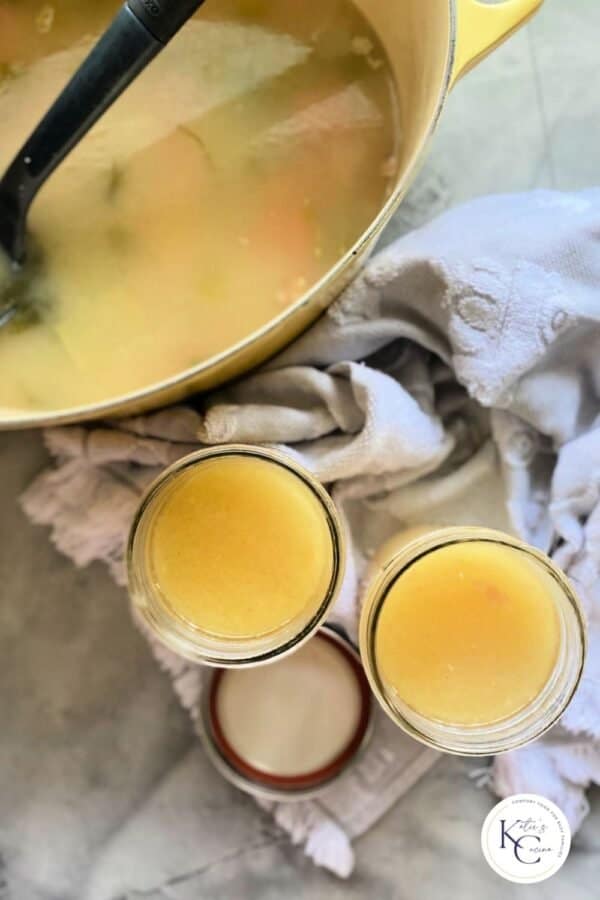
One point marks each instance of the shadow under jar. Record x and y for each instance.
(235, 556)
(473, 642)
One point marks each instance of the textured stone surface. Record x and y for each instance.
(104, 794)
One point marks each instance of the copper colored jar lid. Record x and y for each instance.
(287, 730)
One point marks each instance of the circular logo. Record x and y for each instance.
(526, 838)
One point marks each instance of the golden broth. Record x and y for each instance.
(241, 548)
(469, 634)
(228, 180)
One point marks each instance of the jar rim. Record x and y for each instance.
(526, 724)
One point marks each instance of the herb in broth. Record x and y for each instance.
(191, 134)
(116, 178)
(8, 73)
(24, 297)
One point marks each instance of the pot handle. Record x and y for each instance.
(483, 26)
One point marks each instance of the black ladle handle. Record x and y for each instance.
(163, 18)
(136, 35)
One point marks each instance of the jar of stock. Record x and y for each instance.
(473, 641)
(235, 557)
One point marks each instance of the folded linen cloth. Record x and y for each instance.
(456, 381)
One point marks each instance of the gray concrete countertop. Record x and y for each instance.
(104, 793)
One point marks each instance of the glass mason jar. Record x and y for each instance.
(176, 630)
(511, 731)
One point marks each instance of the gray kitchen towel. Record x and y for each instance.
(456, 381)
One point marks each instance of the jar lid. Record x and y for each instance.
(287, 730)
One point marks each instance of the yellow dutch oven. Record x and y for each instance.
(430, 43)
